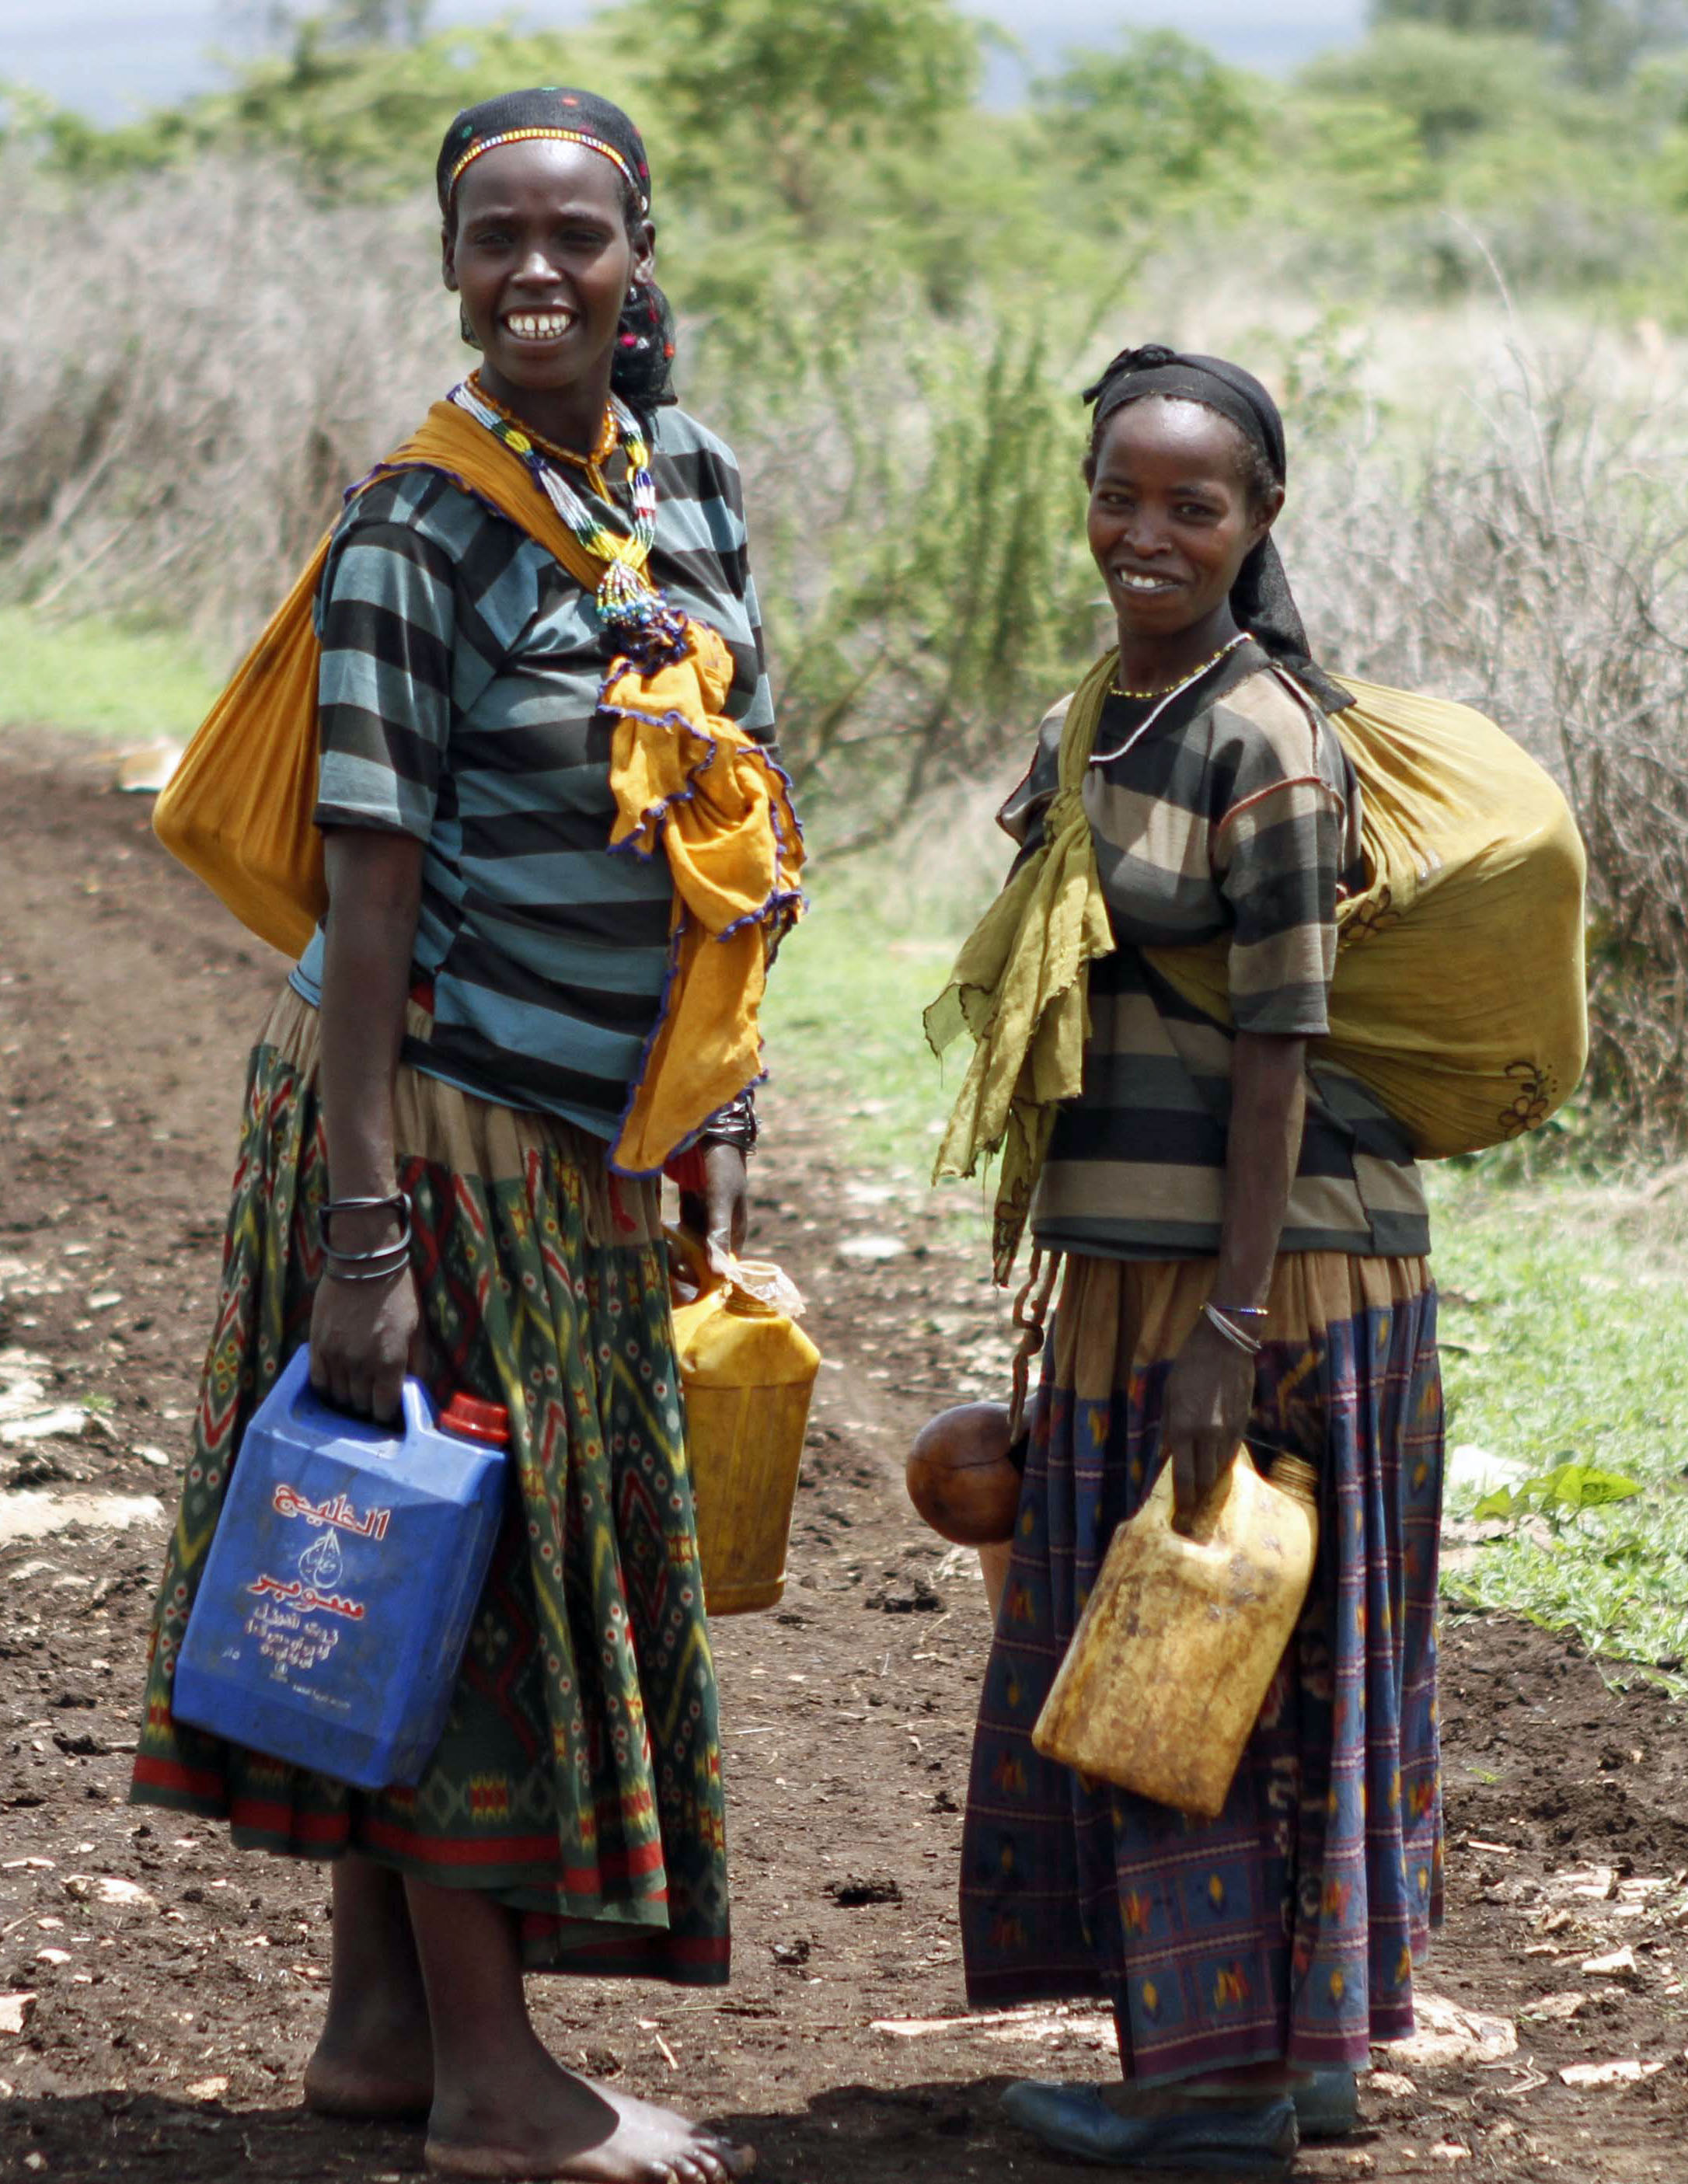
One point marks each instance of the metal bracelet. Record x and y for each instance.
(1244, 1311)
(1234, 1335)
(399, 1203)
(735, 1124)
(370, 1274)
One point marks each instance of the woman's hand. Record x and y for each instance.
(721, 1216)
(1209, 1396)
(365, 1336)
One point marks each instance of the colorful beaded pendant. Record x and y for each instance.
(627, 602)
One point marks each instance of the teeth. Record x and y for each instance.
(539, 326)
(1145, 583)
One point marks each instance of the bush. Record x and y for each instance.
(1537, 567)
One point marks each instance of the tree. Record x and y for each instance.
(1604, 39)
(801, 88)
(1150, 126)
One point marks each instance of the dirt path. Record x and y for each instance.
(168, 2025)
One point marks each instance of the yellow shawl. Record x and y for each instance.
(1019, 986)
(238, 810)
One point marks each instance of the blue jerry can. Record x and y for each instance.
(345, 1573)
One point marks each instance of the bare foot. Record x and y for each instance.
(375, 2059)
(553, 2123)
(371, 2078)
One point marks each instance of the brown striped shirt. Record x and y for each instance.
(1236, 814)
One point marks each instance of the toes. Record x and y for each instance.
(722, 2163)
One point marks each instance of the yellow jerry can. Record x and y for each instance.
(748, 1372)
(1179, 1641)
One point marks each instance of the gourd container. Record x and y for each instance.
(337, 1597)
(1171, 1662)
(749, 1372)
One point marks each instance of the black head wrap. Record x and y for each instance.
(1261, 601)
(641, 373)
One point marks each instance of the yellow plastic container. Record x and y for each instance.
(1170, 1664)
(749, 1372)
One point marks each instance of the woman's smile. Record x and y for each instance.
(1146, 582)
(537, 327)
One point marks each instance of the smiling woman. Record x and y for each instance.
(1244, 1234)
(542, 711)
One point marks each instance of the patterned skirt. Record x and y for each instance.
(578, 1779)
(1287, 1928)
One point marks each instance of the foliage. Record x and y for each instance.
(1604, 38)
(958, 591)
(1570, 1491)
(1151, 128)
(799, 90)
(1450, 89)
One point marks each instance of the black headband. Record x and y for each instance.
(1261, 601)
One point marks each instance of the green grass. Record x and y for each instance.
(99, 678)
(1573, 1349)
(1562, 1313)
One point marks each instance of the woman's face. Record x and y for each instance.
(542, 259)
(1170, 519)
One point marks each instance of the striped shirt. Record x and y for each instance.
(458, 703)
(1237, 815)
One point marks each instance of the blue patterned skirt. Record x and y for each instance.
(1286, 1929)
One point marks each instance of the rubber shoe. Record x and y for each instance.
(1329, 2108)
(1220, 2139)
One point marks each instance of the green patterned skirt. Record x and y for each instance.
(578, 1779)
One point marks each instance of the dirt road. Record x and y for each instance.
(176, 1988)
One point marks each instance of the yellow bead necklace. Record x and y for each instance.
(1148, 697)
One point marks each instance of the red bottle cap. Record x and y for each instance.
(477, 1421)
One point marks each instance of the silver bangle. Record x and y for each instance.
(1234, 1335)
(334, 1274)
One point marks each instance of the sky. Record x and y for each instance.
(111, 59)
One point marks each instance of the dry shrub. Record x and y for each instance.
(205, 359)
(1535, 565)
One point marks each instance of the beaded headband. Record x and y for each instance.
(556, 135)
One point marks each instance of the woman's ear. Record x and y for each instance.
(644, 251)
(1266, 513)
(447, 252)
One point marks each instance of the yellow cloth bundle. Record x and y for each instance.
(1458, 994)
(238, 811)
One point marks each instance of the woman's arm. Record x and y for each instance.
(1211, 1391)
(363, 1333)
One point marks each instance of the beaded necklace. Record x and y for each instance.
(554, 450)
(1172, 689)
(1161, 699)
(626, 599)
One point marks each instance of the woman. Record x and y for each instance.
(1244, 1237)
(426, 1177)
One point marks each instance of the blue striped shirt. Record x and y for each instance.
(458, 703)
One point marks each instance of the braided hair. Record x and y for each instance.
(642, 370)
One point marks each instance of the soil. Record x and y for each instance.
(171, 2015)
